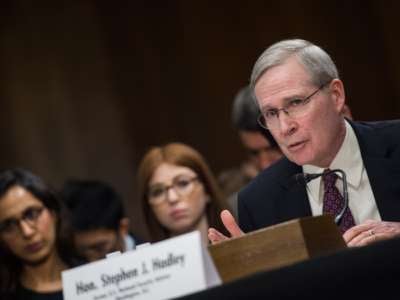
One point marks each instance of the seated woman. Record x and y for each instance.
(32, 250)
(179, 193)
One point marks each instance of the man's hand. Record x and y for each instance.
(231, 226)
(371, 231)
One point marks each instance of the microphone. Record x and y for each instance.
(304, 178)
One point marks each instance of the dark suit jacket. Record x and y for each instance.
(274, 197)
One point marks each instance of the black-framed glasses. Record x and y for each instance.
(30, 216)
(295, 108)
(182, 185)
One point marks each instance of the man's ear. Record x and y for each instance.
(338, 94)
(123, 227)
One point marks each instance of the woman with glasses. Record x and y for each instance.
(179, 193)
(33, 253)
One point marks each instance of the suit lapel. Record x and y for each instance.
(382, 169)
(294, 201)
(384, 177)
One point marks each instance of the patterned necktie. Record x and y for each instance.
(333, 202)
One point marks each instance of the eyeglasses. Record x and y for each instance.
(295, 108)
(183, 186)
(30, 216)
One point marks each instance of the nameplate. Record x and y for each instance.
(167, 269)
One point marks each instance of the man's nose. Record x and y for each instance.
(287, 124)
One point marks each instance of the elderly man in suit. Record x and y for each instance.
(301, 98)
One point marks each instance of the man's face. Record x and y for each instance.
(95, 244)
(316, 136)
(261, 154)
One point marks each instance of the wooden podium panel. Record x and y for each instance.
(276, 246)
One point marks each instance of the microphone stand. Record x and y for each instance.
(304, 178)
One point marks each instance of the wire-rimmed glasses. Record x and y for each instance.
(295, 108)
(182, 185)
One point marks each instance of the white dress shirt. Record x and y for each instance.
(130, 243)
(361, 198)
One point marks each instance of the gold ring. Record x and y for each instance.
(371, 232)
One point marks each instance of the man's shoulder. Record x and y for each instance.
(389, 127)
(232, 180)
(272, 180)
(378, 137)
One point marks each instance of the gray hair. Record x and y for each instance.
(316, 61)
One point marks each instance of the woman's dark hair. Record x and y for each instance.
(10, 265)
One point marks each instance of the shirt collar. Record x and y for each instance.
(347, 159)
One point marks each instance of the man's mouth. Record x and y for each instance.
(296, 146)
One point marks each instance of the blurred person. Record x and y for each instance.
(178, 192)
(346, 111)
(301, 99)
(34, 245)
(262, 149)
(97, 218)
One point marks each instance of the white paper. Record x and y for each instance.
(171, 268)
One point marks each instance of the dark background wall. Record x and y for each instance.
(88, 86)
